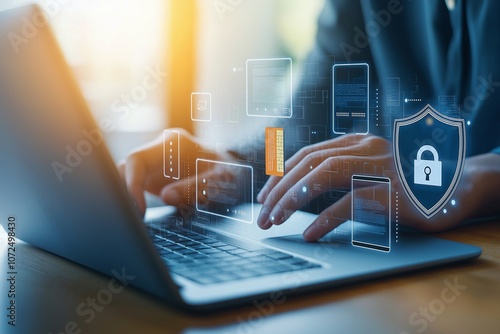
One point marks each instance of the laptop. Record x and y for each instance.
(88, 217)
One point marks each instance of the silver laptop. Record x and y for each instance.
(186, 260)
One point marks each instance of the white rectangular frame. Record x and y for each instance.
(251, 189)
(367, 97)
(373, 179)
(291, 86)
(165, 132)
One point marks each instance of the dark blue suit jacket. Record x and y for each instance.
(453, 52)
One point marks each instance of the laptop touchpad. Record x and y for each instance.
(295, 243)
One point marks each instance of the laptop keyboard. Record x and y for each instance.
(207, 260)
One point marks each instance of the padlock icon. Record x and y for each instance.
(427, 172)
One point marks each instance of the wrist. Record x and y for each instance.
(481, 185)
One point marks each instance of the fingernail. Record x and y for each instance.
(263, 220)
(276, 216)
(309, 234)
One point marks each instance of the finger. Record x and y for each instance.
(299, 170)
(346, 143)
(310, 157)
(155, 182)
(178, 192)
(270, 184)
(184, 190)
(329, 219)
(285, 187)
(343, 142)
(315, 183)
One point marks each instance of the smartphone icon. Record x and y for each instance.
(350, 100)
(371, 212)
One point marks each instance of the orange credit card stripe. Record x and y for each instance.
(275, 163)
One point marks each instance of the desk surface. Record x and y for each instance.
(460, 298)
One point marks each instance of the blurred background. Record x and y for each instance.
(138, 61)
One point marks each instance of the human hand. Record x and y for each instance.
(316, 169)
(143, 170)
(330, 165)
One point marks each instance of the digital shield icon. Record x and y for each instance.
(429, 153)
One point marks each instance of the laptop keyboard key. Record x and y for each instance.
(294, 261)
(278, 255)
(238, 251)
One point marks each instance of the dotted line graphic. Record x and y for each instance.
(189, 180)
(397, 216)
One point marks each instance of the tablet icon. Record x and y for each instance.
(428, 172)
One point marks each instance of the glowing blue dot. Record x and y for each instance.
(445, 211)
(453, 202)
(468, 122)
(304, 189)
(406, 100)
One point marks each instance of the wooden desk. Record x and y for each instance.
(50, 289)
